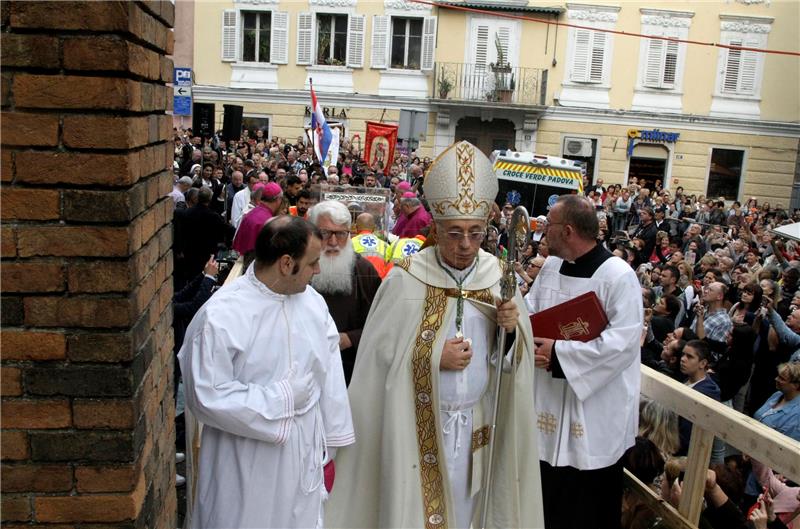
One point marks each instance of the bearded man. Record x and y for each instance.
(347, 281)
(420, 393)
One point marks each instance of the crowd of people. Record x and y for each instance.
(719, 311)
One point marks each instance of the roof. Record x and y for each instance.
(509, 5)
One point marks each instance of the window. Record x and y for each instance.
(403, 43)
(254, 123)
(740, 69)
(256, 36)
(331, 39)
(406, 43)
(725, 173)
(589, 56)
(662, 64)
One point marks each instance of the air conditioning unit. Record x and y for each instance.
(578, 147)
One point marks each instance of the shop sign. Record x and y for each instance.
(636, 136)
(330, 112)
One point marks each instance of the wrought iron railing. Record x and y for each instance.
(459, 81)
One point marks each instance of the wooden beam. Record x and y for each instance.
(694, 483)
(774, 449)
(662, 508)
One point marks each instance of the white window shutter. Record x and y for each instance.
(355, 40)
(428, 43)
(580, 56)
(279, 48)
(598, 57)
(670, 64)
(730, 79)
(504, 35)
(230, 21)
(482, 47)
(380, 41)
(305, 37)
(653, 65)
(749, 69)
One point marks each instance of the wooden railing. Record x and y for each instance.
(710, 419)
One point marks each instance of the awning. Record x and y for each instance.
(506, 6)
(790, 231)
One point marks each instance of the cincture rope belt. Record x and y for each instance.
(454, 420)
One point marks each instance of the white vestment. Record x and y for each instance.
(260, 459)
(238, 206)
(422, 433)
(589, 419)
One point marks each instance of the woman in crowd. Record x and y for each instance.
(744, 310)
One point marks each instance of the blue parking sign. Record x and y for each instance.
(182, 86)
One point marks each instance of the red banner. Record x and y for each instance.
(379, 145)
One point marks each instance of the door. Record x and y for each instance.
(487, 136)
(489, 38)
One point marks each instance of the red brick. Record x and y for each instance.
(99, 276)
(94, 16)
(170, 46)
(36, 478)
(38, 414)
(6, 165)
(85, 241)
(10, 381)
(95, 413)
(105, 478)
(77, 92)
(40, 51)
(6, 81)
(75, 168)
(167, 69)
(14, 445)
(15, 508)
(29, 129)
(104, 132)
(100, 347)
(8, 242)
(84, 311)
(30, 204)
(32, 345)
(32, 276)
(91, 508)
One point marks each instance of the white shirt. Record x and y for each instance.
(260, 459)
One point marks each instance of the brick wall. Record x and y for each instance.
(87, 410)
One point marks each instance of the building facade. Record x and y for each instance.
(604, 85)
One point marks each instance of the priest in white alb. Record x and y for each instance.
(420, 389)
(587, 393)
(262, 372)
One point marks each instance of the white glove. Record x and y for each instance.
(304, 390)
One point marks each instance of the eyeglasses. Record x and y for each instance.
(473, 236)
(341, 235)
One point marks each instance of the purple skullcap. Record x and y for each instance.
(259, 186)
(409, 194)
(272, 190)
(403, 186)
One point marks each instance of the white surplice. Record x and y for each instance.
(260, 460)
(589, 419)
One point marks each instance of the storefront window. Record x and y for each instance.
(725, 173)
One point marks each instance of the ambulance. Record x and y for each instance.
(536, 180)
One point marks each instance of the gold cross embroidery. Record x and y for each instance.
(547, 423)
(573, 329)
(576, 430)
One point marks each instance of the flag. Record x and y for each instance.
(321, 132)
(333, 151)
(380, 144)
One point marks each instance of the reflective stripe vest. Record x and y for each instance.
(373, 249)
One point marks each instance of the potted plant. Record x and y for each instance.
(504, 83)
(445, 85)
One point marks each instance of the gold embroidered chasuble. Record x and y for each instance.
(395, 475)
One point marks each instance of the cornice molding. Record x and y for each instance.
(332, 3)
(403, 5)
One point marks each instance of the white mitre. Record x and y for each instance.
(461, 184)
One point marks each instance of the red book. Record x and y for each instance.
(581, 319)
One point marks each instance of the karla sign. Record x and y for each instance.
(636, 136)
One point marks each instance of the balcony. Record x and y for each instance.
(496, 85)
